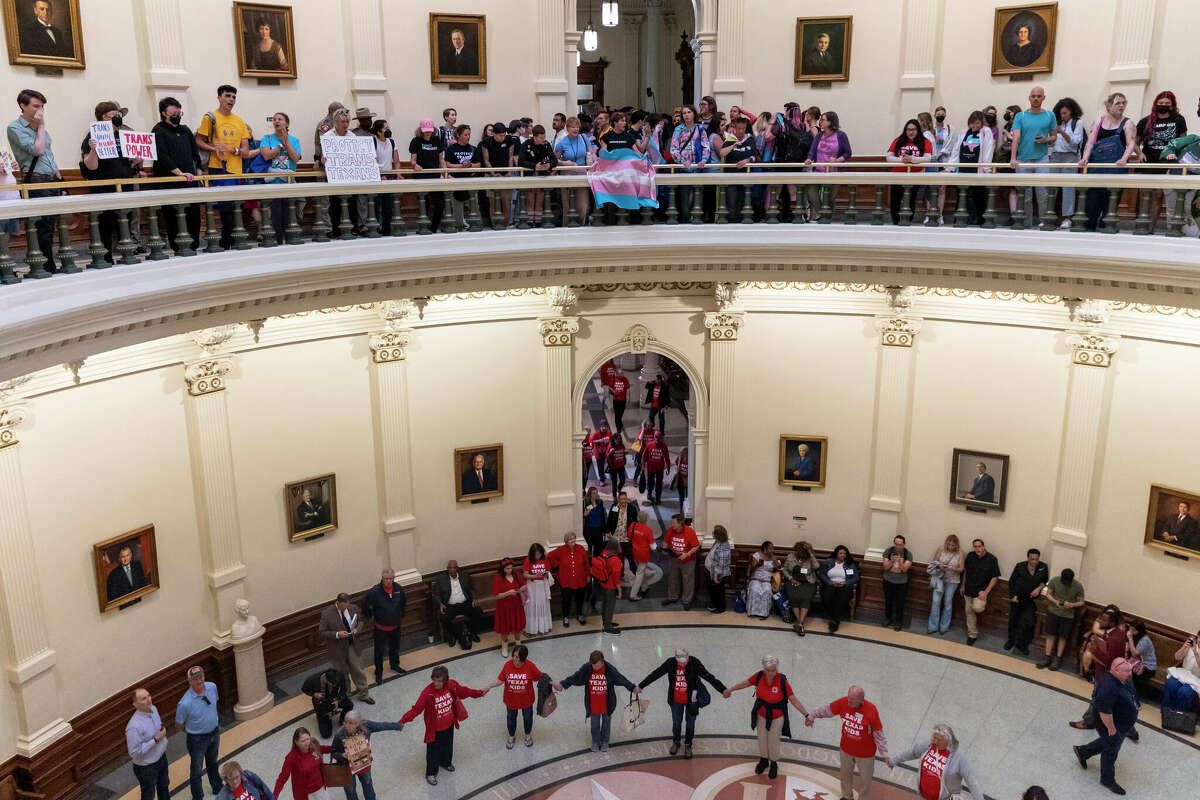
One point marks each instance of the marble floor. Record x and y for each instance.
(1010, 719)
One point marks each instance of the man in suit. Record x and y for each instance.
(807, 466)
(983, 488)
(455, 598)
(41, 37)
(339, 627)
(819, 60)
(330, 698)
(310, 513)
(458, 59)
(1182, 529)
(478, 479)
(126, 577)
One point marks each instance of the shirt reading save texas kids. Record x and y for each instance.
(858, 727)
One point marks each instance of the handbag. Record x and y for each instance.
(634, 714)
(739, 602)
(1179, 721)
(701, 696)
(335, 774)
(546, 701)
(782, 605)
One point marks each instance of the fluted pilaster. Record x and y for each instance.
(723, 328)
(163, 42)
(729, 83)
(558, 338)
(368, 81)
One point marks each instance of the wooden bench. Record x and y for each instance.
(481, 576)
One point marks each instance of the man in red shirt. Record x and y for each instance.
(620, 392)
(571, 566)
(1105, 649)
(862, 738)
(655, 458)
(680, 545)
(589, 455)
(606, 569)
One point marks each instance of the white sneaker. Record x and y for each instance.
(1065, 224)
(1191, 229)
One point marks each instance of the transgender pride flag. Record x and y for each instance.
(624, 179)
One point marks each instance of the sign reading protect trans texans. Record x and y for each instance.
(349, 159)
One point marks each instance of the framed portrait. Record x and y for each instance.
(823, 48)
(478, 472)
(311, 507)
(978, 479)
(126, 568)
(43, 33)
(1173, 521)
(1023, 39)
(802, 460)
(457, 48)
(266, 45)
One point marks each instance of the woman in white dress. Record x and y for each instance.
(758, 585)
(538, 618)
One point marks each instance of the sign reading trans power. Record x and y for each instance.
(349, 159)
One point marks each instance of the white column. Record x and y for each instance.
(562, 440)
(729, 83)
(705, 46)
(161, 30)
(570, 49)
(29, 659)
(1092, 351)
(698, 488)
(389, 349)
(216, 484)
(1130, 72)
(921, 29)
(722, 329)
(652, 32)
(551, 85)
(368, 79)
(893, 402)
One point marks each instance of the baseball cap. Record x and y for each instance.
(427, 125)
(106, 106)
(499, 127)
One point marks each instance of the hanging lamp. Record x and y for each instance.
(610, 13)
(590, 40)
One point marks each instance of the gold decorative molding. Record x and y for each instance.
(1091, 348)
(723, 325)
(207, 375)
(10, 417)
(898, 331)
(390, 345)
(639, 337)
(558, 331)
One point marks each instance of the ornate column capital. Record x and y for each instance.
(898, 331)
(562, 298)
(207, 375)
(723, 326)
(1092, 348)
(389, 345)
(726, 294)
(394, 312)
(11, 416)
(558, 331)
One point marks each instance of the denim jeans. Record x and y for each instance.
(154, 777)
(1070, 162)
(1043, 194)
(368, 785)
(678, 713)
(601, 727)
(204, 750)
(526, 718)
(942, 608)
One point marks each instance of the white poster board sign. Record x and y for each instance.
(136, 145)
(349, 159)
(106, 140)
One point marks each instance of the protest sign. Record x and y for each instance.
(106, 141)
(349, 159)
(138, 145)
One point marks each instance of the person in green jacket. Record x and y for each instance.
(1186, 150)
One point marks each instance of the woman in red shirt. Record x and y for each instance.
(589, 455)
(440, 703)
(616, 462)
(303, 765)
(508, 586)
(571, 566)
(772, 693)
(910, 147)
(518, 676)
(681, 476)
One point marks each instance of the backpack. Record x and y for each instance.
(790, 146)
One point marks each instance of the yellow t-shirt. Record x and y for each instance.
(230, 132)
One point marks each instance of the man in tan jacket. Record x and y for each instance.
(339, 628)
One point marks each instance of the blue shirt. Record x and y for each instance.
(195, 715)
(282, 162)
(573, 150)
(139, 737)
(22, 138)
(1033, 126)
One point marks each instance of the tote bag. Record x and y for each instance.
(634, 714)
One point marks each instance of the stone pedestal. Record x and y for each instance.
(254, 698)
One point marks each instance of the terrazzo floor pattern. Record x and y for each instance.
(1013, 730)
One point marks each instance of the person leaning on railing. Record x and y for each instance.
(1163, 124)
(1186, 150)
(461, 153)
(689, 148)
(1111, 141)
(972, 150)
(178, 157)
(830, 146)
(575, 148)
(910, 147)
(226, 139)
(281, 151)
(537, 156)
(31, 148)
(1067, 146)
(92, 167)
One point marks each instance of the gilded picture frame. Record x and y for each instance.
(278, 58)
(1023, 39)
(823, 48)
(1163, 528)
(450, 61)
(310, 507)
(970, 487)
(119, 582)
(803, 460)
(478, 481)
(44, 33)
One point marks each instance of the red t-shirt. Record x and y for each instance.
(616, 456)
(598, 692)
(933, 764)
(680, 693)
(589, 449)
(770, 693)
(654, 393)
(532, 569)
(608, 371)
(656, 456)
(641, 537)
(679, 543)
(620, 386)
(519, 683)
(858, 727)
(601, 440)
(915, 149)
(443, 710)
(240, 793)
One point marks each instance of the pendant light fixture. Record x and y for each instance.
(590, 40)
(610, 13)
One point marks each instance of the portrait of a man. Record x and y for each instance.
(802, 460)
(44, 32)
(457, 48)
(823, 48)
(265, 40)
(480, 472)
(1023, 39)
(1173, 520)
(979, 479)
(126, 568)
(311, 507)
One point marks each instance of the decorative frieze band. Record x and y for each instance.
(558, 331)
(389, 345)
(898, 331)
(1091, 348)
(723, 325)
(207, 375)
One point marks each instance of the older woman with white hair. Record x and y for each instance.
(769, 715)
(945, 772)
(240, 784)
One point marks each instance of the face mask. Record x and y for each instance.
(387, 134)
(1164, 110)
(1008, 117)
(940, 118)
(990, 118)
(175, 119)
(679, 660)
(117, 120)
